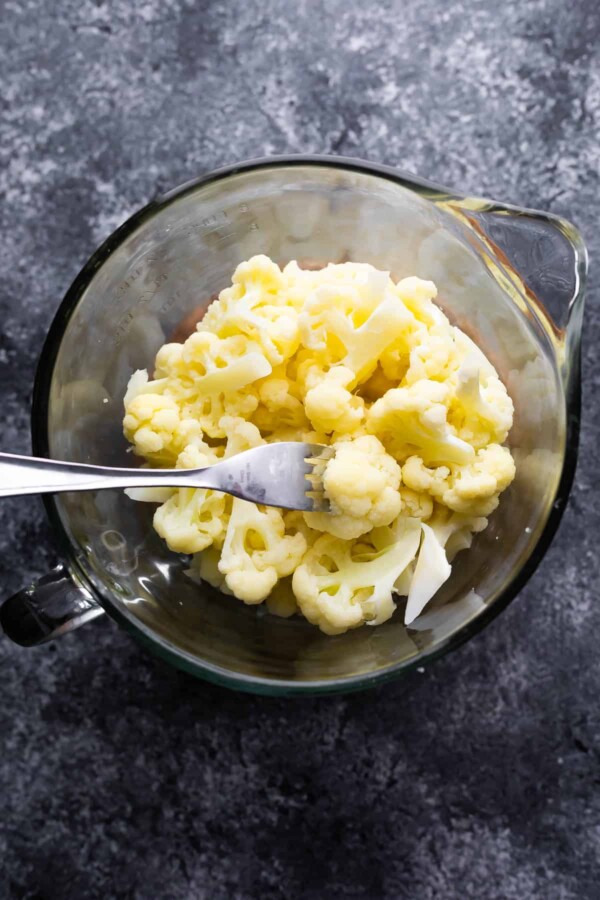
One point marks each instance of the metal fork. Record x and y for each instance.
(286, 474)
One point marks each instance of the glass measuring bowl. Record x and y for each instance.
(511, 278)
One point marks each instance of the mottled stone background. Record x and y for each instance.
(479, 778)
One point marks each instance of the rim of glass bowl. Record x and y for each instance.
(251, 683)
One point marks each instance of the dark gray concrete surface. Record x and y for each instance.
(119, 777)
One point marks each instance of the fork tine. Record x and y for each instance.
(318, 460)
(288, 475)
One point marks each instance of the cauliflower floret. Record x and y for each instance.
(295, 522)
(366, 344)
(150, 423)
(416, 504)
(282, 601)
(257, 551)
(354, 327)
(206, 364)
(473, 488)
(361, 483)
(418, 477)
(136, 385)
(205, 568)
(336, 591)
(482, 480)
(436, 357)
(418, 296)
(330, 406)
(197, 455)
(255, 307)
(414, 418)
(482, 411)
(280, 403)
(259, 272)
(241, 435)
(192, 519)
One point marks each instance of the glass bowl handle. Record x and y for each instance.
(48, 608)
(546, 252)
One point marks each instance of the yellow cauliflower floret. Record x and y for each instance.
(241, 435)
(336, 591)
(384, 326)
(481, 411)
(482, 480)
(417, 504)
(279, 406)
(414, 418)
(295, 522)
(196, 456)
(282, 601)
(361, 483)
(330, 406)
(208, 365)
(417, 476)
(257, 551)
(355, 326)
(192, 519)
(151, 422)
(205, 568)
(254, 308)
(472, 488)
(208, 411)
(436, 357)
(418, 296)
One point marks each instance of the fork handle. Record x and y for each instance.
(31, 475)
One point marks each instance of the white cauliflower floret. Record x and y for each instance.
(417, 476)
(150, 422)
(473, 488)
(330, 406)
(361, 483)
(482, 480)
(280, 406)
(415, 418)
(205, 568)
(337, 592)
(257, 551)
(482, 411)
(255, 306)
(365, 345)
(282, 601)
(212, 365)
(241, 435)
(192, 519)
(436, 357)
(418, 296)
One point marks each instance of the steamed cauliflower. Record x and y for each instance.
(341, 356)
(257, 551)
(361, 482)
(330, 406)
